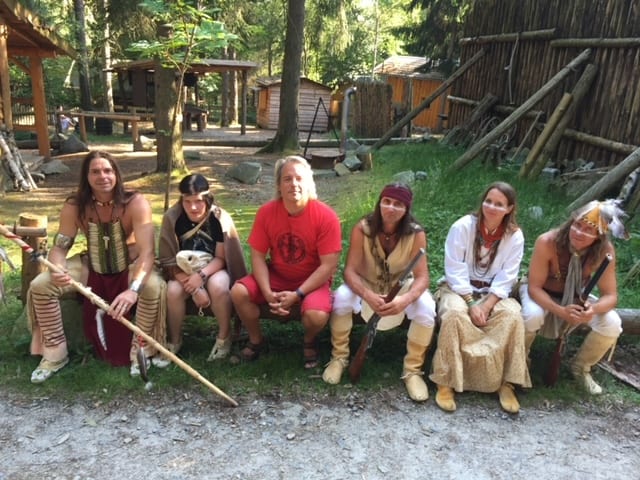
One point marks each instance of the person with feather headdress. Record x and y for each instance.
(562, 262)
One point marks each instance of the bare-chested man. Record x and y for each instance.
(119, 267)
(563, 259)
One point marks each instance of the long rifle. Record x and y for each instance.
(355, 368)
(97, 300)
(553, 371)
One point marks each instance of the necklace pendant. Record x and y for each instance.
(106, 239)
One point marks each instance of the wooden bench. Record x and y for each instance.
(119, 117)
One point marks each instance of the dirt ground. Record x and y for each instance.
(339, 434)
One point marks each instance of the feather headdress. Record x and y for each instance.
(605, 216)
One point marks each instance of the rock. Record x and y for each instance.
(550, 173)
(341, 169)
(352, 162)
(246, 172)
(351, 144)
(72, 145)
(53, 167)
(407, 177)
(147, 144)
(535, 212)
(324, 172)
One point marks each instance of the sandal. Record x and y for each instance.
(221, 349)
(311, 352)
(252, 351)
(46, 368)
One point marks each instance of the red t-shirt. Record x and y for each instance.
(295, 243)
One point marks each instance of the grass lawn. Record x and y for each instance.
(439, 200)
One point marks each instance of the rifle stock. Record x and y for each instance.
(357, 362)
(553, 370)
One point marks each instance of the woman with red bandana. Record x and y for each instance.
(481, 339)
(382, 244)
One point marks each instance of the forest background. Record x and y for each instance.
(342, 40)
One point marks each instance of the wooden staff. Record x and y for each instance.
(97, 300)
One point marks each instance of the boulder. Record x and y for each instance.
(246, 172)
(406, 176)
(72, 144)
(53, 167)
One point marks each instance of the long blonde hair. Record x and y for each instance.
(308, 177)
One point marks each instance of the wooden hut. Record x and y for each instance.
(410, 87)
(311, 93)
(25, 41)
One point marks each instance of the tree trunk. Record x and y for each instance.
(86, 102)
(287, 136)
(169, 135)
(107, 76)
(533, 165)
(233, 91)
(224, 104)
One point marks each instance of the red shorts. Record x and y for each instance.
(319, 299)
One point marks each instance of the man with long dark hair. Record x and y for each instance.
(562, 261)
(119, 267)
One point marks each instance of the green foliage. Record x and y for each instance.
(190, 33)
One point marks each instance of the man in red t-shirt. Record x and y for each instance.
(295, 247)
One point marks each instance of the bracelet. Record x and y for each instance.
(203, 276)
(474, 302)
(135, 286)
(468, 298)
(300, 293)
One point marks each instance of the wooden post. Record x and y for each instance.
(578, 93)
(427, 101)
(83, 129)
(243, 104)
(135, 136)
(532, 167)
(40, 106)
(615, 176)
(519, 112)
(30, 268)
(5, 82)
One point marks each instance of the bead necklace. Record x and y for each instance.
(102, 204)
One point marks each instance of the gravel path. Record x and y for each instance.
(189, 436)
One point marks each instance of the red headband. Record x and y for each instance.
(402, 194)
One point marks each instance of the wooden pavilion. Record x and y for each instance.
(136, 81)
(25, 41)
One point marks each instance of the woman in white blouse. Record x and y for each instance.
(481, 341)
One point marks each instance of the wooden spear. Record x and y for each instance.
(97, 300)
